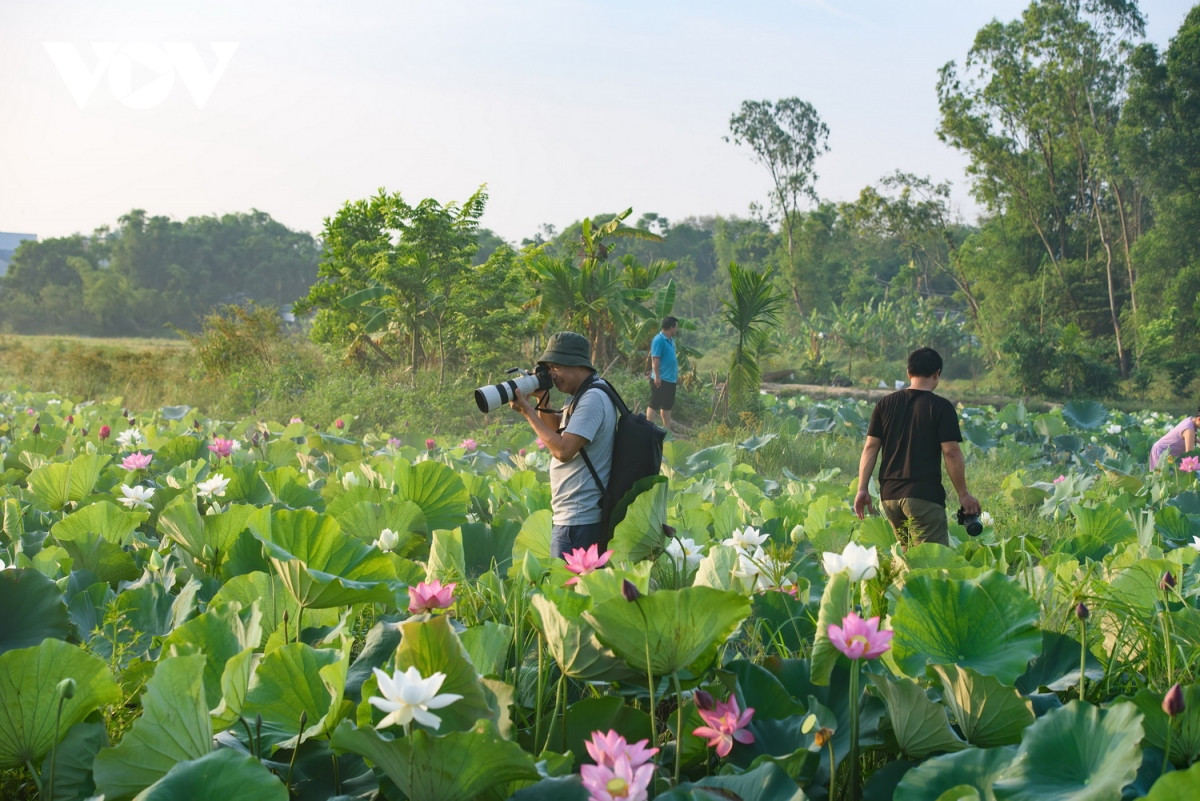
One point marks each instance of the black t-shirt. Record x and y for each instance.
(913, 424)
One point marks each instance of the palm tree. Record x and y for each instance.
(755, 307)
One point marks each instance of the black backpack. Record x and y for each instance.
(636, 454)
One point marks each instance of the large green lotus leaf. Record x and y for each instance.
(1086, 414)
(534, 538)
(59, 483)
(573, 643)
(921, 726)
(1105, 522)
(988, 624)
(29, 698)
(219, 634)
(762, 689)
(235, 683)
(221, 775)
(835, 605)
(33, 610)
(601, 585)
(767, 782)
(678, 628)
(431, 646)
(487, 646)
(114, 524)
(267, 592)
(785, 619)
(554, 788)
(288, 488)
(107, 560)
(1136, 587)
(1172, 524)
(321, 567)
(988, 713)
(569, 732)
(489, 547)
(1075, 753)
(174, 727)
(446, 559)
(206, 538)
(716, 569)
(364, 520)
(1178, 785)
(296, 680)
(178, 450)
(975, 767)
(1185, 739)
(639, 535)
(71, 761)
(245, 486)
(437, 489)
(459, 766)
(1057, 666)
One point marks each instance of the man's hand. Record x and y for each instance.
(657, 382)
(969, 504)
(522, 403)
(862, 503)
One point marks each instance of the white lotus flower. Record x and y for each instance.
(388, 540)
(746, 570)
(213, 488)
(130, 438)
(745, 538)
(1196, 543)
(1115, 428)
(351, 479)
(4, 566)
(684, 552)
(985, 518)
(408, 696)
(863, 563)
(136, 496)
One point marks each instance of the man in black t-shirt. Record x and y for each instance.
(915, 430)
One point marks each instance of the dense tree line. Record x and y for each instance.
(151, 274)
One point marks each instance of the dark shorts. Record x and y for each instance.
(564, 539)
(663, 397)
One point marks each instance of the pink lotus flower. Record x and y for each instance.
(620, 782)
(430, 444)
(726, 723)
(607, 748)
(1190, 464)
(1060, 479)
(136, 461)
(541, 445)
(521, 452)
(105, 432)
(221, 447)
(339, 423)
(860, 639)
(468, 445)
(582, 561)
(427, 596)
(393, 442)
(296, 420)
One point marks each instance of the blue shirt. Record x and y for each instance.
(663, 347)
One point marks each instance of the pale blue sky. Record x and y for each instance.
(563, 109)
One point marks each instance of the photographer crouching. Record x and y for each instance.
(575, 496)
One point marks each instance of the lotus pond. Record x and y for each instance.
(202, 609)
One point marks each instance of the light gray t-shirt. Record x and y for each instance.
(574, 495)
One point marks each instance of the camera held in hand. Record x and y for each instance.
(971, 523)
(491, 397)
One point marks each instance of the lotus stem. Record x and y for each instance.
(678, 724)
(650, 689)
(853, 779)
(296, 750)
(541, 688)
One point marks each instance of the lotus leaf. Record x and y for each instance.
(174, 727)
(487, 647)
(716, 570)
(639, 534)
(437, 489)
(920, 725)
(29, 700)
(534, 538)
(446, 560)
(1180, 785)
(217, 776)
(208, 539)
(987, 712)
(293, 680)
(72, 759)
(33, 610)
(1075, 753)
(1085, 414)
(569, 732)
(835, 605)
(319, 566)
(680, 629)
(220, 634)
(364, 520)
(1185, 739)
(573, 644)
(178, 450)
(59, 483)
(459, 766)
(289, 489)
(987, 624)
(766, 782)
(977, 768)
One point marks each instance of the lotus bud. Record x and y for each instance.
(1167, 582)
(1173, 701)
(668, 531)
(531, 568)
(1081, 611)
(105, 431)
(797, 534)
(195, 424)
(630, 590)
(704, 700)
(83, 431)
(37, 429)
(66, 689)
(339, 423)
(132, 422)
(70, 419)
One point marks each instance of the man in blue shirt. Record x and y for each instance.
(664, 372)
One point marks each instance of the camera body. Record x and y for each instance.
(971, 523)
(493, 396)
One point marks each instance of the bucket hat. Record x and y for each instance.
(569, 349)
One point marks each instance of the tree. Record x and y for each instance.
(755, 307)
(786, 137)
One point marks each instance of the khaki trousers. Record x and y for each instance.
(917, 520)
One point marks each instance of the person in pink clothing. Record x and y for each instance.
(1176, 442)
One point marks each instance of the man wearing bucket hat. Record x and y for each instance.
(575, 497)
